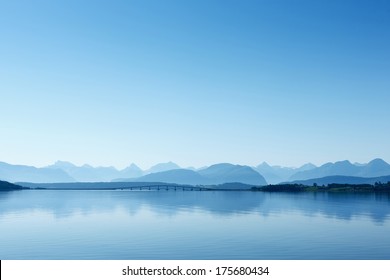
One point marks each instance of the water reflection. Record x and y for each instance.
(50, 224)
(344, 206)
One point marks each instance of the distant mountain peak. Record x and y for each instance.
(378, 161)
(374, 168)
(133, 166)
(343, 162)
(133, 169)
(24, 173)
(60, 163)
(264, 167)
(165, 166)
(227, 173)
(307, 166)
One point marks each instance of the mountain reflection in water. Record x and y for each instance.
(345, 206)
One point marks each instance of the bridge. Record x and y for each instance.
(168, 188)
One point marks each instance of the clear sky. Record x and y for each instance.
(194, 82)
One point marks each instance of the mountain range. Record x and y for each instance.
(213, 175)
(343, 180)
(87, 173)
(374, 168)
(23, 173)
(65, 172)
(277, 174)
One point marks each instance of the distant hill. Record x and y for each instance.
(213, 175)
(87, 173)
(6, 186)
(161, 167)
(228, 173)
(176, 176)
(277, 174)
(64, 172)
(374, 168)
(342, 180)
(17, 173)
(132, 171)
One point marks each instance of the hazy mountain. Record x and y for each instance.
(374, 168)
(191, 168)
(176, 176)
(24, 173)
(277, 174)
(305, 167)
(87, 173)
(213, 175)
(132, 171)
(160, 167)
(343, 180)
(106, 173)
(227, 173)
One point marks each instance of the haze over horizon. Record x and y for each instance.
(194, 82)
(61, 162)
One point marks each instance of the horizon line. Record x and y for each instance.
(181, 166)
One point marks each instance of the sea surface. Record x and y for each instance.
(71, 224)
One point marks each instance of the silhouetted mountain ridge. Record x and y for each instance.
(277, 174)
(63, 171)
(374, 168)
(87, 173)
(213, 175)
(160, 167)
(18, 173)
(175, 176)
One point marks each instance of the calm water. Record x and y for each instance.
(193, 225)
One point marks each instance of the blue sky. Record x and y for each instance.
(194, 82)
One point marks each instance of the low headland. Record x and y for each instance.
(377, 187)
(6, 186)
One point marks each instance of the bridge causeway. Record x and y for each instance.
(167, 188)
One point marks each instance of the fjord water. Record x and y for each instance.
(57, 224)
